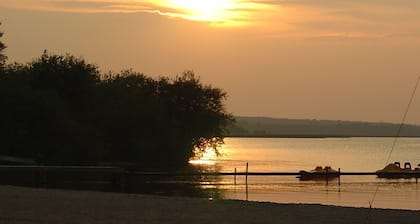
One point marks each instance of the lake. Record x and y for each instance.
(294, 154)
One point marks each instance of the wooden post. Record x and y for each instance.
(246, 182)
(234, 178)
(246, 174)
(339, 176)
(339, 179)
(246, 192)
(326, 175)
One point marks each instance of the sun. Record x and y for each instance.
(210, 10)
(216, 12)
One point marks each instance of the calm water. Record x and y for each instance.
(292, 155)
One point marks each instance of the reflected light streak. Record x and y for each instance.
(202, 162)
(209, 157)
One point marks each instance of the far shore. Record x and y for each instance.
(34, 205)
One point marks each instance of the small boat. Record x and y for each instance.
(319, 173)
(394, 170)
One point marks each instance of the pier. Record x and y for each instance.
(283, 173)
(119, 179)
(119, 170)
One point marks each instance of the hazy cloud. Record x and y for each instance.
(287, 18)
(348, 20)
(235, 12)
(86, 6)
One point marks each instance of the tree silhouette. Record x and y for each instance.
(46, 105)
(2, 55)
(161, 123)
(61, 110)
(197, 114)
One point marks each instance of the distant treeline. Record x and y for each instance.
(274, 127)
(60, 110)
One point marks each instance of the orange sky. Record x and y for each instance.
(345, 60)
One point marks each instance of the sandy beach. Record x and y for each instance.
(30, 205)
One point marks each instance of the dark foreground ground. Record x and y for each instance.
(30, 205)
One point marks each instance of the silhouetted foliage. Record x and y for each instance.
(61, 110)
(46, 106)
(2, 55)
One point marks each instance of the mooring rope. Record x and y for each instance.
(394, 143)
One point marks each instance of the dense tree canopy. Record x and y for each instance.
(2, 55)
(62, 110)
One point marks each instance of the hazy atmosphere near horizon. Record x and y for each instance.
(317, 59)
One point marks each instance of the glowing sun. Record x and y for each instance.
(211, 10)
(217, 12)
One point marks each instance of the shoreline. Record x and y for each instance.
(303, 136)
(36, 205)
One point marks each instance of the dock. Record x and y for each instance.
(283, 173)
(119, 170)
(109, 177)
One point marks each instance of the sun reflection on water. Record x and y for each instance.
(208, 157)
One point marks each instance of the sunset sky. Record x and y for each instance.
(317, 59)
